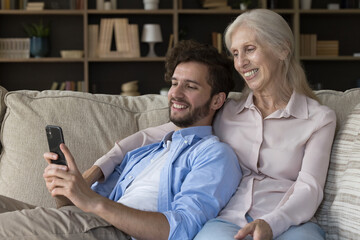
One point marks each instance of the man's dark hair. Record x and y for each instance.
(219, 65)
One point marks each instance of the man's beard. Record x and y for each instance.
(192, 117)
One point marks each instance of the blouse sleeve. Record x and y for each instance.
(111, 159)
(303, 198)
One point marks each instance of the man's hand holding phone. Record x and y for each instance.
(56, 159)
(63, 179)
(55, 137)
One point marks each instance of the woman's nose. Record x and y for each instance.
(241, 61)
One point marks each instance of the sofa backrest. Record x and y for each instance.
(91, 125)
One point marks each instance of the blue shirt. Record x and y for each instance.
(199, 177)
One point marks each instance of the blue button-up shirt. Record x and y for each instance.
(197, 180)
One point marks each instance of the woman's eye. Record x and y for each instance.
(250, 49)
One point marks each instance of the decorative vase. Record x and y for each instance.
(151, 4)
(305, 4)
(39, 46)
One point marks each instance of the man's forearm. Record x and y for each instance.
(93, 174)
(138, 224)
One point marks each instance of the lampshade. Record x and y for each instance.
(151, 33)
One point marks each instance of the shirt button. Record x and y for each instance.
(186, 141)
(130, 177)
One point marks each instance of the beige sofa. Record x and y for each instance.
(92, 123)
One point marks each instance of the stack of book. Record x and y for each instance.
(217, 41)
(218, 4)
(308, 44)
(327, 48)
(126, 38)
(35, 6)
(68, 85)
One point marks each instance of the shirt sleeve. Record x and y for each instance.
(305, 195)
(111, 159)
(213, 179)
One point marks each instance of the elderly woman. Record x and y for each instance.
(281, 134)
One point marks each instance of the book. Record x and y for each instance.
(313, 43)
(93, 38)
(135, 41)
(70, 85)
(214, 3)
(219, 42)
(122, 34)
(214, 39)
(54, 86)
(79, 4)
(35, 6)
(308, 44)
(126, 38)
(327, 48)
(80, 86)
(171, 42)
(105, 36)
(62, 86)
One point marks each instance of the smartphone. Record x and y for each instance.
(55, 137)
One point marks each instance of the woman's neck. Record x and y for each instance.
(268, 103)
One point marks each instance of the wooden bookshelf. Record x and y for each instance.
(184, 19)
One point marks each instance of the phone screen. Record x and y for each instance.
(55, 137)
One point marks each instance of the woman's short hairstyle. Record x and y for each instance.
(219, 65)
(273, 31)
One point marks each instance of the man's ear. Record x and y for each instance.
(218, 100)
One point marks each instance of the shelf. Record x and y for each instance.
(132, 11)
(42, 12)
(327, 11)
(330, 58)
(184, 19)
(209, 11)
(140, 59)
(42, 60)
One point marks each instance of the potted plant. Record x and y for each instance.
(39, 38)
(244, 4)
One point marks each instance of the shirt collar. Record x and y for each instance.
(248, 103)
(296, 107)
(188, 134)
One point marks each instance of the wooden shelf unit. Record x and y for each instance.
(184, 19)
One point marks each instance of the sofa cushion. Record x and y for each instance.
(339, 214)
(91, 124)
(3, 91)
(341, 102)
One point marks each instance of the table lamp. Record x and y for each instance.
(151, 34)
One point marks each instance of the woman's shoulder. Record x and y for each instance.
(318, 110)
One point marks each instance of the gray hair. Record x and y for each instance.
(273, 31)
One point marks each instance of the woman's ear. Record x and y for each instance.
(284, 53)
(218, 100)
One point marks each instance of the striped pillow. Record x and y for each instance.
(339, 213)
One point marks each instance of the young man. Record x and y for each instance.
(166, 190)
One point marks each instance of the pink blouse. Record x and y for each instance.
(284, 158)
